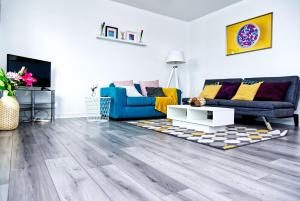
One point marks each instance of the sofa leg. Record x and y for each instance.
(296, 120)
(267, 123)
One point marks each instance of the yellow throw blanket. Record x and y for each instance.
(171, 98)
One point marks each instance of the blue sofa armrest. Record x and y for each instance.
(118, 98)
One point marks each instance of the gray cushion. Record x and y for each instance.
(251, 104)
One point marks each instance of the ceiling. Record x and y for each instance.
(186, 10)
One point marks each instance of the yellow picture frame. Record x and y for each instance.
(249, 35)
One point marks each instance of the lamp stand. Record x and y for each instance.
(174, 71)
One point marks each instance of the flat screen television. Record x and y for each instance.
(41, 70)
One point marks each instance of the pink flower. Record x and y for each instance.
(13, 76)
(28, 79)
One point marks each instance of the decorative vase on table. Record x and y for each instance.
(9, 110)
(9, 106)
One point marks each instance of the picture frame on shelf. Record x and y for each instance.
(122, 35)
(131, 36)
(111, 32)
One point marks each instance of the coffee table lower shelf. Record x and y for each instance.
(206, 119)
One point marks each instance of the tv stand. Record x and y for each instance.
(33, 106)
(45, 89)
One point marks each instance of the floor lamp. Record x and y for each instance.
(174, 58)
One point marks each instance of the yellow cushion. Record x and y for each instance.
(210, 91)
(247, 92)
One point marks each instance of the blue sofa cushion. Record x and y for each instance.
(255, 104)
(140, 101)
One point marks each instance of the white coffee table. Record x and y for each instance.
(206, 119)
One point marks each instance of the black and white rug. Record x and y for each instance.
(229, 138)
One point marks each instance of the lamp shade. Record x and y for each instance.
(175, 57)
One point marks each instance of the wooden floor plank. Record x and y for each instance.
(289, 184)
(186, 195)
(200, 183)
(156, 181)
(117, 183)
(5, 158)
(3, 192)
(86, 155)
(72, 182)
(29, 177)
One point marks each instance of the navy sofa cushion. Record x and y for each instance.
(140, 101)
(255, 104)
(282, 112)
(249, 104)
(212, 102)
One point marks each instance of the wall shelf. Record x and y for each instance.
(121, 41)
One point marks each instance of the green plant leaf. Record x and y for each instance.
(2, 85)
(4, 79)
(2, 73)
(10, 91)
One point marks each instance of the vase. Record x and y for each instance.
(9, 112)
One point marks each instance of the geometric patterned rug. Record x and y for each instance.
(229, 138)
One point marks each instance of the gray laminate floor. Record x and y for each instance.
(73, 160)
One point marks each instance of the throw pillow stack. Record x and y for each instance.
(246, 91)
(147, 88)
(131, 91)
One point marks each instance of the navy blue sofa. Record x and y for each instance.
(265, 109)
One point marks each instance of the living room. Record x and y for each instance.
(138, 154)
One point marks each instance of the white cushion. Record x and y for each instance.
(131, 91)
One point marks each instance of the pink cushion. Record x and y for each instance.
(123, 83)
(144, 84)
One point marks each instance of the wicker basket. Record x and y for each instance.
(9, 112)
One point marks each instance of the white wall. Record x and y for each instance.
(207, 40)
(64, 32)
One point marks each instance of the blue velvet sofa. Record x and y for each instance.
(123, 107)
(265, 109)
